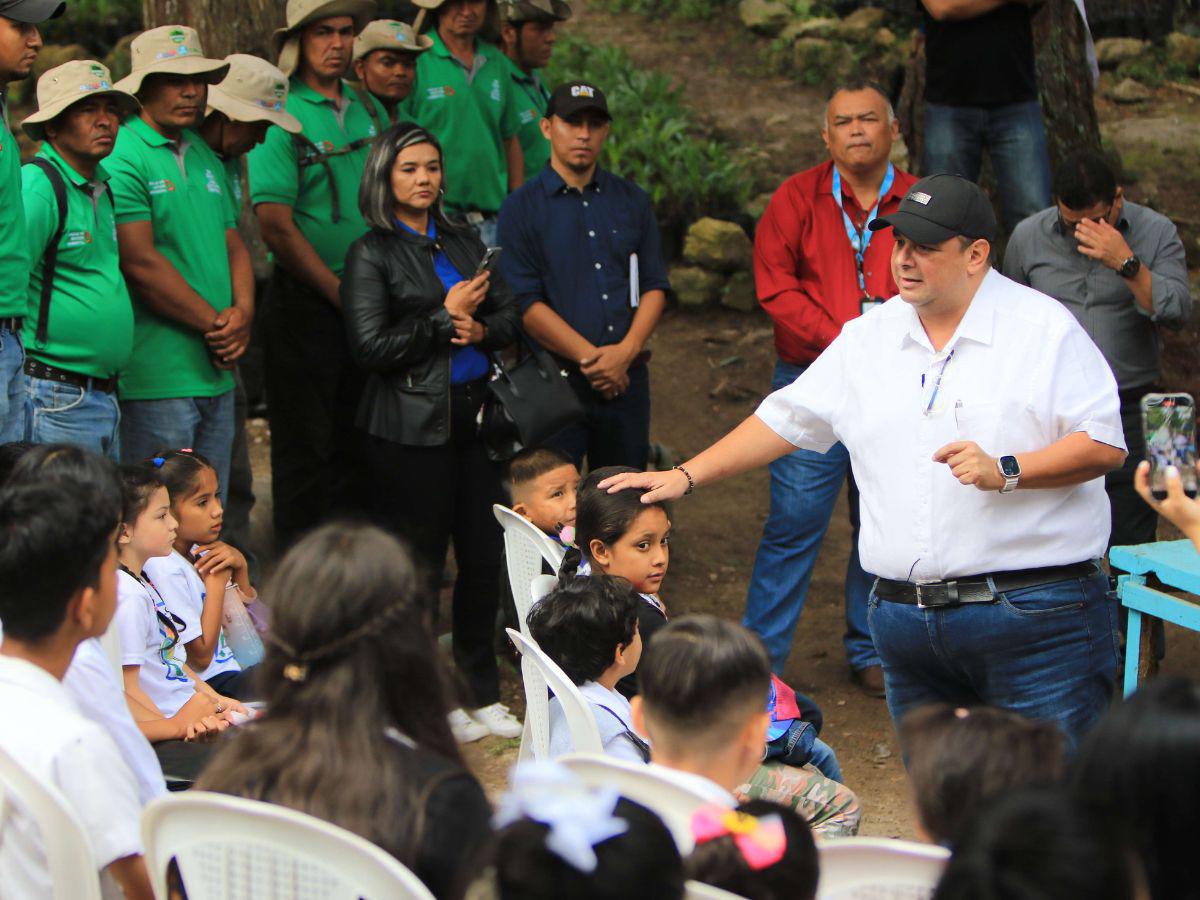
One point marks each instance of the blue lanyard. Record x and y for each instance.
(860, 240)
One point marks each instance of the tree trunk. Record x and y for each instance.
(222, 31)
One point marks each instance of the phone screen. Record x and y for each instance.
(491, 256)
(1169, 426)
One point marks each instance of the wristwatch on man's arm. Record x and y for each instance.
(1130, 267)
(1011, 470)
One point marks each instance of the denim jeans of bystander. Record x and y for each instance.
(57, 413)
(12, 386)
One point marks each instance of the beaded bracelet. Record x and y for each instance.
(688, 475)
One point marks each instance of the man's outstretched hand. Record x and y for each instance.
(659, 486)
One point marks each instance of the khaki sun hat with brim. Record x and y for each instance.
(305, 12)
(388, 34)
(518, 11)
(169, 50)
(253, 91)
(63, 86)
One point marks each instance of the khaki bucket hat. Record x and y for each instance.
(303, 12)
(63, 86)
(253, 91)
(169, 50)
(534, 11)
(388, 34)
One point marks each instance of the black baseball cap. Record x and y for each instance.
(939, 207)
(574, 97)
(31, 12)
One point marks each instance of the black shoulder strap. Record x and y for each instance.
(636, 739)
(50, 258)
(309, 154)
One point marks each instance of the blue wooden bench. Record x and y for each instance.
(1176, 564)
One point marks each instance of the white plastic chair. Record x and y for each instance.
(66, 846)
(698, 890)
(525, 548)
(647, 784)
(230, 848)
(539, 672)
(867, 867)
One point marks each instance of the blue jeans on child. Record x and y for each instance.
(1015, 138)
(203, 424)
(1046, 652)
(804, 489)
(57, 413)
(12, 387)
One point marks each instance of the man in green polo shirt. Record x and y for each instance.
(465, 95)
(187, 268)
(384, 67)
(78, 331)
(527, 36)
(304, 190)
(20, 42)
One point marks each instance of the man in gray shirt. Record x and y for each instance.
(1119, 268)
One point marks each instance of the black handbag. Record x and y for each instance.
(527, 402)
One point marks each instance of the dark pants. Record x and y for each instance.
(236, 527)
(1133, 521)
(429, 495)
(182, 761)
(313, 389)
(238, 685)
(615, 432)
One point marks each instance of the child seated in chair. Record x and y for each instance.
(589, 628)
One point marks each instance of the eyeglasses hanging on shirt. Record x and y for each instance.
(860, 240)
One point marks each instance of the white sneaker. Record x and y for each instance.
(498, 720)
(466, 729)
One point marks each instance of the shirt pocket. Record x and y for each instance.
(999, 427)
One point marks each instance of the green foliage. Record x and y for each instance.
(683, 9)
(96, 24)
(655, 140)
(1152, 67)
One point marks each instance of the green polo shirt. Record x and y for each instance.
(90, 325)
(532, 99)
(14, 254)
(472, 114)
(276, 176)
(189, 212)
(233, 185)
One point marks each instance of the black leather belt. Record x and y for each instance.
(12, 323)
(35, 369)
(975, 588)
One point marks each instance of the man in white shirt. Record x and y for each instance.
(58, 566)
(980, 421)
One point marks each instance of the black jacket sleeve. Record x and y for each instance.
(501, 317)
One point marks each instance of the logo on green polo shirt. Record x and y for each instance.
(440, 92)
(210, 182)
(77, 239)
(496, 90)
(529, 115)
(160, 186)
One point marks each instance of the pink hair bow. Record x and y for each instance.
(761, 841)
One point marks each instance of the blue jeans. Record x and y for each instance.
(1015, 138)
(826, 761)
(12, 387)
(1047, 652)
(203, 424)
(804, 489)
(57, 413)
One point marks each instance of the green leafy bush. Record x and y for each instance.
(96, 24)
(683, 9)
(655, 140)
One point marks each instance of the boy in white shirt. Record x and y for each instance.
(58, 567)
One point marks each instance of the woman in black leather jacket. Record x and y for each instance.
(419, 322)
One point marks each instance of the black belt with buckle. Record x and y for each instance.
(35, 369)
(12, 323)
(975, 588)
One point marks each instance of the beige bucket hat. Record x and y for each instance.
(302, 12)
(169, 50)
(63, 86)
(534, 10)
(388, 34)
(253, 91)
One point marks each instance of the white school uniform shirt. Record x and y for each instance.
(612, 725)
(183, 590)
(698, 784)
(47, 734)
(1023, 375)
(145, 642)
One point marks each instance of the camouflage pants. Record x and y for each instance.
(831, 809)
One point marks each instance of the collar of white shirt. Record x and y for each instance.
(978, 323)
(22, 674)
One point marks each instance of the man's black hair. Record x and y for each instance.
(582, 622)
(1084, 180)
(54, 538)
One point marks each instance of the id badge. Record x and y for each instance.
(866, 304)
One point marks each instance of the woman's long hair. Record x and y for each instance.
(376, 200)
(349, 655)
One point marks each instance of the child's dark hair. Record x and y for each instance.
(1038, 844)
(72, 466)
(534, 462)
(721, 862)
(959, 758)
(642, 862)
(138, 485)
(582, 622)
(10, 455)
(699, 672)
(180, 471)
(602, 516)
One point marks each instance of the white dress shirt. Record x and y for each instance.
(45, 732)
(1018, 375)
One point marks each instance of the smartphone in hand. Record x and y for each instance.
(491, 257)
(1169, 428)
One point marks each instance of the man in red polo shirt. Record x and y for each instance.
(816, 266)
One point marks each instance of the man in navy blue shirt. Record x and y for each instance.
(581, 255)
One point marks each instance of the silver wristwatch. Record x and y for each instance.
(1011, 470)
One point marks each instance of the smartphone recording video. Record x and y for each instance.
(1169, 426)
